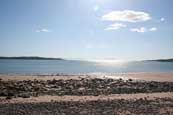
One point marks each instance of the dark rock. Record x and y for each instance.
(130, 80)
(8, 97)
(24, 95)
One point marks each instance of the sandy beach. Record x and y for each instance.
(119, 93)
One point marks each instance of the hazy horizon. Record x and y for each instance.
(92, 29)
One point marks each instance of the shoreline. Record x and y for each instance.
(147, 76)
(13, 86)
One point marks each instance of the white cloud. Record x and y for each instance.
(162, 19)
(127, 16)
(153, 29)
(115, 26)
(43, 30)
(143, 29)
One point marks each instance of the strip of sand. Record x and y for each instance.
(158, 76)
(48, 98)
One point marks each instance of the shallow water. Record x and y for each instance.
(73, 66)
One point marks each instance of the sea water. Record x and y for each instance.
(13, 66)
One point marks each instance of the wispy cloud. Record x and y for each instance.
(96, 8)
(126, 16)
(140, 30)
(153, 29)
(143, 29)
(115, 26)
(43, 30)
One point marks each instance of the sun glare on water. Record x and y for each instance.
(109, 62)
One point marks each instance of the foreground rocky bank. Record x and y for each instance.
(80, 87)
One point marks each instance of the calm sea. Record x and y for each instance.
(11, 66)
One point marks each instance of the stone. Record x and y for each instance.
(24, 95)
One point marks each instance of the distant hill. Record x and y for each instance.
(31, 58)
(162, 60)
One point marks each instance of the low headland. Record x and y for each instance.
(31, 58)
(162, 60)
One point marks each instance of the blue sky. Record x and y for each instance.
(87, 29)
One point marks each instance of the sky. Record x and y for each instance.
(87, 29)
